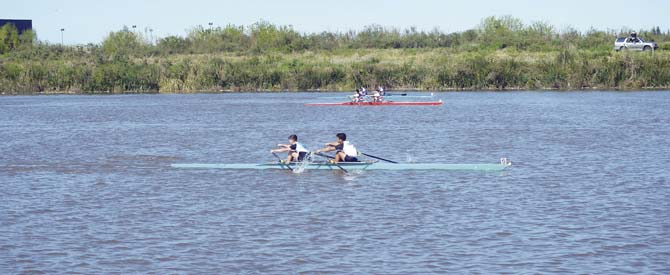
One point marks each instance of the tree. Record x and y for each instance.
(27, 38)
(122, 44)
(500, 32)
(173, 45)
(9, 38)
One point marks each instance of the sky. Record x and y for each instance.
(90, 21)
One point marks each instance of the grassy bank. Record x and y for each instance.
(499, 54)
(433, 69)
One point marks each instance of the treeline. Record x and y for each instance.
(501, 53)
(493, 33)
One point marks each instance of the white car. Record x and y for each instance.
(634, 43)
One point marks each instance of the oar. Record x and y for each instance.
(324, 155)
(413, 96)
(281, 162)
(374, 157)
(329, 157)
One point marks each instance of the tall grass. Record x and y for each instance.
(501, 53)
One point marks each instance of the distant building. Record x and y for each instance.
(20, 24)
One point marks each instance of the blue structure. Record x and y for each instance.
(20, 24)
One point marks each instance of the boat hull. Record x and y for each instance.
(384, 103)
(402, 95)
(348, 166)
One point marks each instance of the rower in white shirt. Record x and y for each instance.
(345, 151)
(296, 151)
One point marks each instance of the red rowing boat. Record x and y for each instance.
(383, 103)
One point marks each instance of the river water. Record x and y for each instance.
(86, 186)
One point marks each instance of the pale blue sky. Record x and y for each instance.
(90, 21)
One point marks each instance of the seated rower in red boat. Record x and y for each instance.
(359, 96)
(378, 94)
(362, 94)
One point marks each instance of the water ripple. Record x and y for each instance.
(86, 186)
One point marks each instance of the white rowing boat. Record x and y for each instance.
(350, 166)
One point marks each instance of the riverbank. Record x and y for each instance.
(343, 70)
(594, 89)
(501, 53)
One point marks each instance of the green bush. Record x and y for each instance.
(501, 53)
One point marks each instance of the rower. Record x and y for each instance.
(378, 95)
(357, 96)
(345, 151)
(375, 96)
(296, 151)
(381, 91)
(360, 95)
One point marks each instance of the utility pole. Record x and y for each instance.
(210, 26)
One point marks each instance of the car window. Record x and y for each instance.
(620, 40)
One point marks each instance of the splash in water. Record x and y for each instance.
(352, 175)
(409, 158)
(301, 166)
